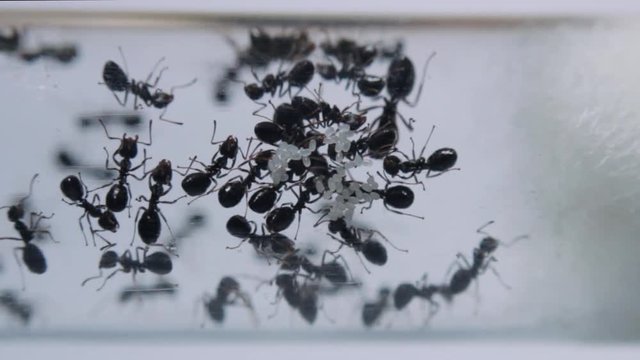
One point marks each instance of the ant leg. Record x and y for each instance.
(106, 131)
(256, 113)
(514, 240)
(86, 242)
(403, 213)
(481, 228)
(429, 176)
(336, 258)
(161, 117)
(237, 246)
(459, 257)
(387, 240)
(91, 278)
(150, 137)
(15, 255)
(433, 128)
(33, 179)
(407, 123)
(107, 279)
(120, 102)
(213, 135)
(109, 244)
(182, 86)
(155, 67)
(135, 222)
(424, 74)
(10, 238)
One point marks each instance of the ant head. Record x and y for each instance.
(128, 148)
(489, 244)
(227, 286)
(254, 91)
(162, 173)
(15, 213)
(391, 165)
(162, 99)
(355, 121)
(229, 147)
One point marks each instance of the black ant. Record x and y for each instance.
(482, 260)
(394, 197)
(352, 237)
(280, 218)
(232, 192)
(32, 256)
(119, 196)
(303, 297)
(16, 306)
(149, 226)
(117, 80)
(400, 81)
(299, 76)
(405, 292)
(333, 271)
(196, 184)
(274, 245)
(158, 263)
(441, 161)
(228, 293)
(372, 311)
(75, 190)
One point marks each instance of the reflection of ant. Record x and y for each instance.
(228, 293)
(117, 80)
(372, 311)
(139, 292)
(16, 306)
(482, 260)
(32, 256)
(274, 245)
(157, 263)
(405, 292)
(352, 237)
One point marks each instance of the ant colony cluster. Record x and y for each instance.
(306, 155)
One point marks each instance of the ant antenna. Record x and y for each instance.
(124, 60)
(424, 74)
(425, 144)
(182, 86)
(481, 228)
(215, 127)
(150, 138)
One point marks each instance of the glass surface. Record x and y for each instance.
(543, 116)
